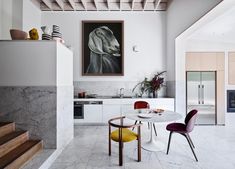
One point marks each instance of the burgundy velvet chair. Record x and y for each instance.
(143, 105)
(183, 129)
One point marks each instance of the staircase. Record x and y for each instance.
(15, 147)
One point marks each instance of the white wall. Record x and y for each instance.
(18, 14)
(6, 18)
(64, 67)
(31, 63)
(144, 29)
(31, 16)
(208, 45)
(1, 19)
(181, 14)
(11, 17)
(35, 63)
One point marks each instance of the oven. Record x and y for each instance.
(78, 110)
(231, 101)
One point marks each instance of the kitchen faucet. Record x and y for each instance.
(121, 93)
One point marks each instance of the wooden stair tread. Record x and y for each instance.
(4, 123)
(6, 128)
(10, 136)
(17, 152)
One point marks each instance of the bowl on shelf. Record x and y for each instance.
(18, 34)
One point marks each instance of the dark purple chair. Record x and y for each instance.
(184, 129)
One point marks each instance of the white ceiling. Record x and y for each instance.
(222, 29)
(101, 5)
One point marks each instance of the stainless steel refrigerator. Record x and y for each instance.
(201, 95)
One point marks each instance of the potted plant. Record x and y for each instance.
(152, 85)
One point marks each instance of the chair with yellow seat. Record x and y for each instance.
(123, 135)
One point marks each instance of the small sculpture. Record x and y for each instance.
(33, 34)
(46, 30)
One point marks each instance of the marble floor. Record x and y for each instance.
(215, 148)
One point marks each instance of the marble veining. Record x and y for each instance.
(45, 111)
(33, 109)
(109, 88)
(65, 119)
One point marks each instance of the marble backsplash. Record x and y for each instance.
(109, 88)
(170, 88)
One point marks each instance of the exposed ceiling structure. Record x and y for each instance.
(102, 5)
(221, 29)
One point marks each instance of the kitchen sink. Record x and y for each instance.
(123, 97)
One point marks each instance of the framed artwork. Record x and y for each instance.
(102, 48)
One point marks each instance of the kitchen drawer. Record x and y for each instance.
(111, 111)
(93, 113)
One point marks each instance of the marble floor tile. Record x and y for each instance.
(214, 146)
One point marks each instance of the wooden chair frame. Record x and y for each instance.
(120, 127)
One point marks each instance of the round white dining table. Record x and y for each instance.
(147, 115)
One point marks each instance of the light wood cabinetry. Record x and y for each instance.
(220, 61)
(220, 97)
(208, 61)
(231, 68)
(204, 61)
(193, 62)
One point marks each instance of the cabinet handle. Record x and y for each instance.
(199, 95)
(202, 94)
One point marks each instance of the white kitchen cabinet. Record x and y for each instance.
(166, 104)
(93, 113)
(117, 107)
(110, 111)
(127, 109)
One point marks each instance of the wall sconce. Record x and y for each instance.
(135, 48)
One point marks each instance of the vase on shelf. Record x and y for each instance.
(152, 94)
(155, 94)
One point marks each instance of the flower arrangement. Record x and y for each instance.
(151, 86)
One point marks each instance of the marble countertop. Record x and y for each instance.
(127, 101)
(117, 97)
